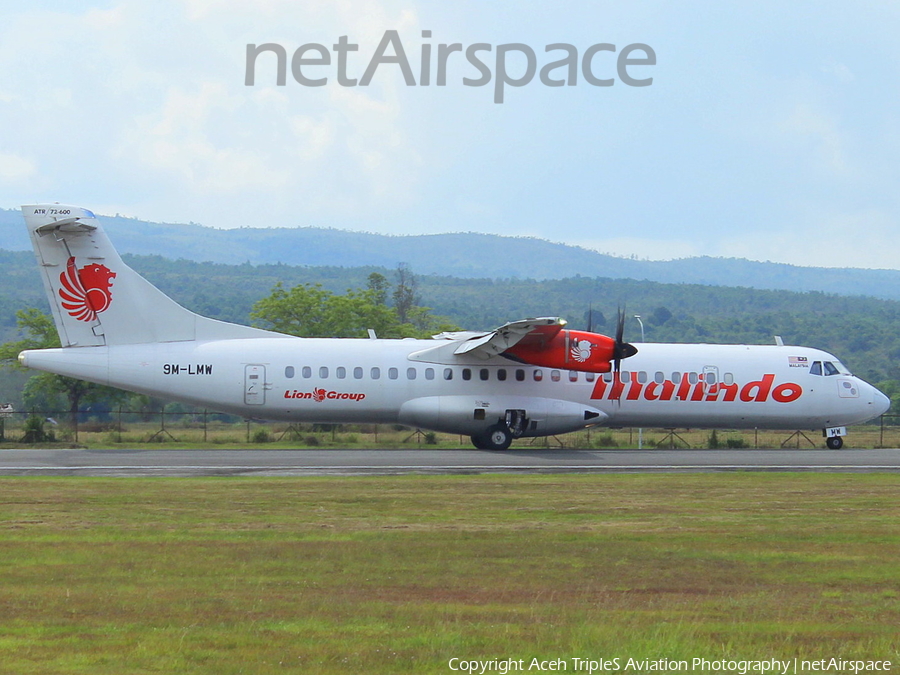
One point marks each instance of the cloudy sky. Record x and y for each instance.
(771, 130)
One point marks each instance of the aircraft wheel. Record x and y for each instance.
(834, 443)
(498, 437)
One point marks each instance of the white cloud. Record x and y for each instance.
(821, 132)
(746, 143)
(180, 140)
(14, 168)
(840, 71)
(157, 92)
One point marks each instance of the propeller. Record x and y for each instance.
(621, 349)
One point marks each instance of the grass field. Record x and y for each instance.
(402, 574)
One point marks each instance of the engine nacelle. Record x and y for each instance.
(568, 350)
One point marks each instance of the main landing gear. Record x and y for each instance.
(496, 437)
(834, 443)
(500, 435)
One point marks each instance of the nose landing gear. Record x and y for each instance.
(834, 437)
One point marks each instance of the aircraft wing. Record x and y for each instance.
(533, 332)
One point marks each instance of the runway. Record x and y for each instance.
(219, 462)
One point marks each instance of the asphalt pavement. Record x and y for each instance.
(218, 462)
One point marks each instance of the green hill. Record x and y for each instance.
(463, 254)
(863, 332)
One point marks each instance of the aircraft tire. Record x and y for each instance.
(834, 443)
(497, 437)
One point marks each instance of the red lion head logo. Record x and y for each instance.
(318, 395)
(86, 291)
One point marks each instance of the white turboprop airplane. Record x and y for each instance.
(527, 378)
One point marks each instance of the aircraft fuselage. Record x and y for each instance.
(365, 381)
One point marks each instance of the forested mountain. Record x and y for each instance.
(864, 332)
(465, 255)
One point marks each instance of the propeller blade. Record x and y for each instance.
(621, 349)
(620, 325)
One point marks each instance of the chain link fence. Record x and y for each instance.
(129, 427)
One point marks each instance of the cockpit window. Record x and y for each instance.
(828, 368)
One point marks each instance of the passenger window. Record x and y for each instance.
(624, 376)
(323, 372)
(607, 377)
(692, 378)
(375, 373)
(554, 375)
(484, 373)
(709, 377)
(642, 377)
(306, 372)
(358, 373)
(590, 377)
(429, 373)
(501, 374)
(729, 378)
(410, 373)
(467, 374)
(520, 375)
(448, 373)
(289, 372)
(341, 372)
(393, 373)
(659, 377)
(676, 378)
(573, 376)
(830, 369)
(538, 375)
(815, 368)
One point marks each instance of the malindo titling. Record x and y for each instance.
(308, 60)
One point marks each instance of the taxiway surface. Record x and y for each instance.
(218, 462)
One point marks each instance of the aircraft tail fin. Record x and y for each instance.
(96, 299)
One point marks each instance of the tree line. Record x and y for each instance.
(346, 302)
(305, 310)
